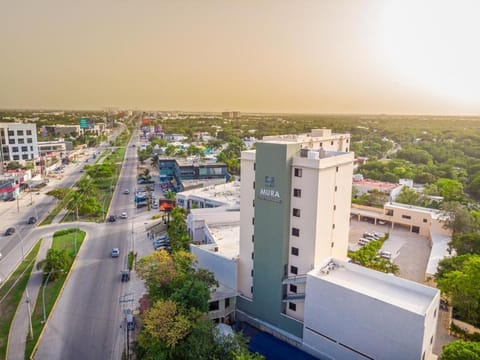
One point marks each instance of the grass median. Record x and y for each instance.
(70, 240)
(11, 295)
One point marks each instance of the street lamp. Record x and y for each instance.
(43, 292)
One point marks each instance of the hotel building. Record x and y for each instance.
(293, 278)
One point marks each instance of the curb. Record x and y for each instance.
(18, 306)
(37, 344)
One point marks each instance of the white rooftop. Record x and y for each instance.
(387, 288)
(227, 193)
(227, 239)
(439, 251)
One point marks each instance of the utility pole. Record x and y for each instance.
(29, 313)
(123, 300)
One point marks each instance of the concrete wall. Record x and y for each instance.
(225, 270)
(349, 325)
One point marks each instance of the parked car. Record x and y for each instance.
(363, 241)
(32, 220)
(115, 252)
(10, 231)
(112, 218)
(124, 215)
(126, 191)
(385, 254)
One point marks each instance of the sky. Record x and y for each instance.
(302, 56)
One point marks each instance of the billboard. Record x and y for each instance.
(84, 122)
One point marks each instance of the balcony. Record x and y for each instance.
(299, 279)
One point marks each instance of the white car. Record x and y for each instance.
(124, 215)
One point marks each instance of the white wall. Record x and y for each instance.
(225, 270)
(367, 325)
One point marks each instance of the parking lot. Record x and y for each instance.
(409, 251)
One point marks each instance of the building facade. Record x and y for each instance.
(295, 201)
(19, 142)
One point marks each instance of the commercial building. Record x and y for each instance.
(293, 278)
(19, 142)
(177, 170)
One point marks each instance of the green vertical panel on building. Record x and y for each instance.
(272, 214)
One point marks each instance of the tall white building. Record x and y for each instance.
(294, 221)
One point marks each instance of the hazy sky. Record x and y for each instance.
(338, 56)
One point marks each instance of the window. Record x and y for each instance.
(29, 140)
(253, 238)
(21, 141)
(253, 221)
(227, 303)
(333, 226)
(294, 270)
(406, 217)
(31, 148)
(24, 148)
(295, 251)
(292, 306)
(295, 232)
(25, 157)
(212, 306)
(253, 255)
(10, 133)
(298, 172)
(19, 132)
(29, 132)
(431, 340)
(321, 144)
(253, 203)
(347, 141)
(254, 184)
(435, 314)
(251, 289)
(297, 193)
(331, 142)
(254, 166)
(296, 212)
(14, 148)
(11, 141)
(336, 188)
(425, 220)
(16, 157)
(336, 169)
(389, 213)
(293, 288)
(251, 273)
(334, 207)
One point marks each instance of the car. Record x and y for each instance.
(125, 275)
(10, 199)
(363, 241)
(126, 191)
(115, 252)
(123, 215)
(112, 218)
(0, 256)
(32, 220)
(385, 254)
(9, 231)
(381, 222)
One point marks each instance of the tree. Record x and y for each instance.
(177, 230)
(192, 294)
(450, 189)
(460, 349)
(57, 260)
(164, 326)
(158, 270)
(466, 243)
(458, 218)
(408, 196)
(460, 279)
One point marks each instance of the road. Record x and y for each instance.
(86, 322)
(16, 214)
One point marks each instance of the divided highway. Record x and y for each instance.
(86, 322)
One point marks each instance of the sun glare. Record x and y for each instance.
(435, 45)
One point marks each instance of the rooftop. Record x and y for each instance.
(380, 185)
(227, 239)
(314, 135)
(436, 214)
(227, 193)
(387, 288)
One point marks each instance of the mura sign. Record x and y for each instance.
(269, 195)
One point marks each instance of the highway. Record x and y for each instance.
(86, 322)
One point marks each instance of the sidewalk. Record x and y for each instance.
(20, 325)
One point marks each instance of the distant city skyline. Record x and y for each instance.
(323, 57)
